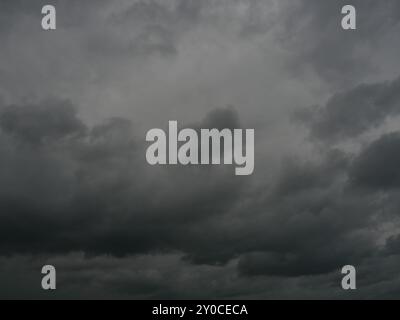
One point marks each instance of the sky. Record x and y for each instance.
(76, 191)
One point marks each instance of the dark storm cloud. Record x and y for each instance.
(377, 166)
(83, 198)
(289, 264)
(91, 189)
(302, 177)
(355, 111)
(34, 123)
(311, 224)
(221, 119)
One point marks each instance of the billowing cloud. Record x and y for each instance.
(312, 31)
(377, 166)
(353, 112)
(50, 120)
(92, 189)
(76, 190)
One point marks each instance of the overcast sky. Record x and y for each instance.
(76, 191)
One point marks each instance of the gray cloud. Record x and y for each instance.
(76, 191)
(353, 112)
(50, 119)
(102, 202)
(339, 57)
(377, 166)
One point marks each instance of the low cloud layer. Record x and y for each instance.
(76, 190)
